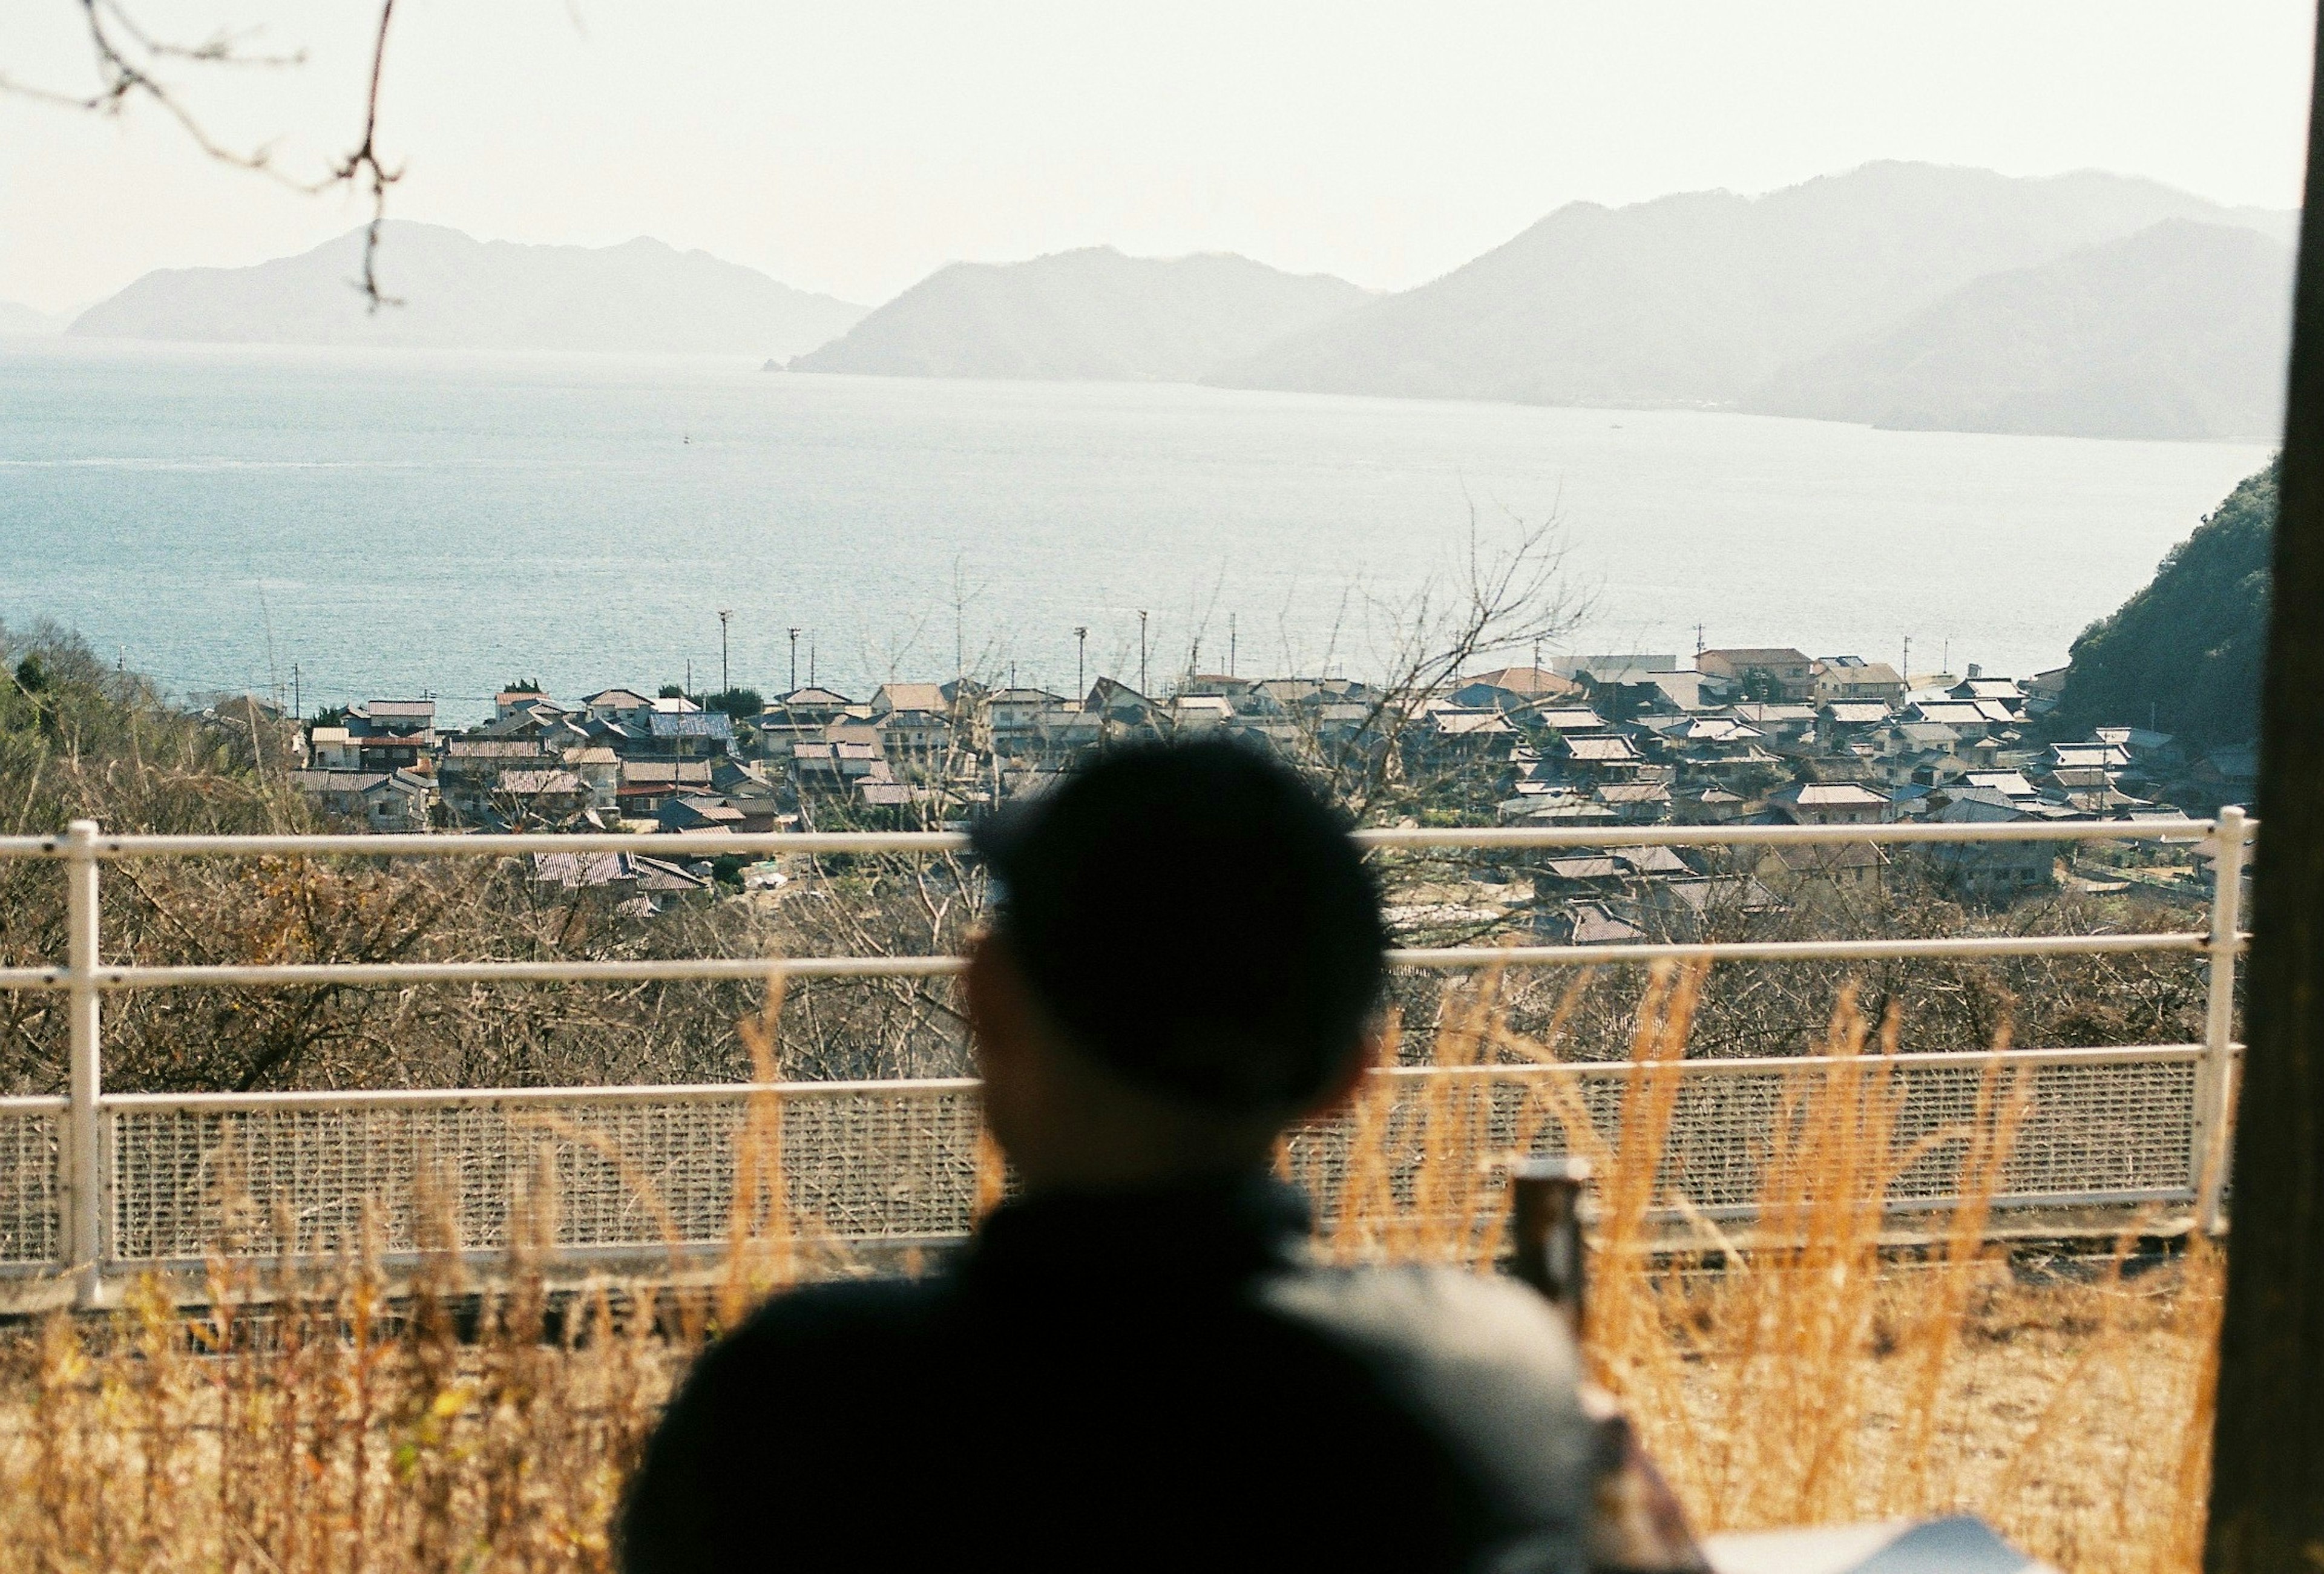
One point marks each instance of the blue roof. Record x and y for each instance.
(700, 725)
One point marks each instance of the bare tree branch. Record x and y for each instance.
(127, 59)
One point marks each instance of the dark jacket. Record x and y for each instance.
(1157, 1380)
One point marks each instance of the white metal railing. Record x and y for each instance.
(99, 1183)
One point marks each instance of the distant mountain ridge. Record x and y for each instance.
(1896, 294)
(1093, 314)
(641, 297)
(2180, 330)
(1701, 299)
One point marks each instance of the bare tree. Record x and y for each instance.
(132, 63)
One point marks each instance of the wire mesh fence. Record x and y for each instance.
(114, 1181)
(863, 1164)
(31, 1190)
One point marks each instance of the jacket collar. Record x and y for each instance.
(1215, 1230)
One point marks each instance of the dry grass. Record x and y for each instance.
(302, 1420)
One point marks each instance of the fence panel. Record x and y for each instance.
(31, 1182)
(863, 1164)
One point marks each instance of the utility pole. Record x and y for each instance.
(297, 709)
(810, 661)
(725, 683)
(1231, 644)
(2267, 1471)
(1141, 651)
(1907, 674)
(794, 634)
(1081, 654)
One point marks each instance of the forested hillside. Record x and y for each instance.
(2183, 655)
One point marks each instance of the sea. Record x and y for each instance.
(359, 523)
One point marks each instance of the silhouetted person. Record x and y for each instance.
(1136, 1364)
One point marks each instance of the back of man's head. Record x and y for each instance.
(1195, 921)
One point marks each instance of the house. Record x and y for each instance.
(647, 783)
(1830, 803)
(469, 769)
(1976, 685)
(1566, 719)
(2010, 784)
(1116, 711)
(1636, 803)
(1688, 905)
(1559, 806)
(1992, 872)
(639, 887)
(1585, 923)
(1763, 673)
(1222, 685)
(392, 734)
(1578, 668)
(622, 707)
(1654, 862)
(686, 734)
(1022, 720)
(1514, 688)
(510, 700)
(1600, 873)
(2145, 748)
(331, 748)
(2044, 689)
(1199, 713)
(839, 764)
(382, 801)
(686, 812)
(1706, 804)
(913, 723)
(1851, 678)
(1450, 738)
(1593, 757)
(1848, 720)
(1789, 868)
(395, 718)
(522, 799)
(1625, 694)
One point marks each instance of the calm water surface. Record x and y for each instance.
(393, 522)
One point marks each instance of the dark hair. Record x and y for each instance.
(1196, 920)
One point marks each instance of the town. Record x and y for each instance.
(1732, 737)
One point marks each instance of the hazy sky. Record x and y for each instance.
(853, 147)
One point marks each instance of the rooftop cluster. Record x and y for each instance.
(1762, 735)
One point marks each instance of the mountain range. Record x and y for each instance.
(1896, 294)
(1086, 315)
(1713, 300)
(641, 297)
(2178, 330)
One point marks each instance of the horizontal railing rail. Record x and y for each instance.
(98, 1184)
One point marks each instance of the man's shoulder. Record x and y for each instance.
(817, 1320)
(1447, 1316)
(1484, 1365)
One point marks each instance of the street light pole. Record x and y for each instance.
(794, 634)
(1142, 651)
(725, 683)
(1081, 663)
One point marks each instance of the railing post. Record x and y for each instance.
(2215, 1102)
(85, 1181)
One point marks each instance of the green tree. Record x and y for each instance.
(2183, 653)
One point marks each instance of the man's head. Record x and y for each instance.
(1185, 957)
